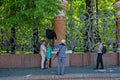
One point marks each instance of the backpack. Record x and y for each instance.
(104, 50)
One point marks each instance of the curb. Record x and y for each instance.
(66, 76)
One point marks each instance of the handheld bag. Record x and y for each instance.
(104, 50)
(58, 51)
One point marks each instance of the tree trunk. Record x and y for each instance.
(97, 33)
(13, 40)
(35, 41)
(88, 26)
(1, 39)
(91, 34)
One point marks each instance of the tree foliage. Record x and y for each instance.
(27, 12)
(106, 22)
(26, 15)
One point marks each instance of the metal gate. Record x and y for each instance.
(85, 28)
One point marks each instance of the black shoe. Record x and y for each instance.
(62, 74)
(95, 68)
(101, 68)
(43, 68)
(58, 74)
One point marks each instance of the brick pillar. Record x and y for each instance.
(117, 6)
(60, 23)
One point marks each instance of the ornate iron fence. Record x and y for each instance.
(22, 40)
(82, 33)
(86, 28)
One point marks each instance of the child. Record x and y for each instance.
(48, 55)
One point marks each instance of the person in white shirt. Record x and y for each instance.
(43, 53)
(99, 55)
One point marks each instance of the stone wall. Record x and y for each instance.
(33, 60)
(19, 61)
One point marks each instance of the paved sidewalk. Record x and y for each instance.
(71, 73)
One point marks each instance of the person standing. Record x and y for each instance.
(99, 55)
(43, 54)
(61, 57)
(48, 55)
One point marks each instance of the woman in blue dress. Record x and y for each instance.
(48, 55)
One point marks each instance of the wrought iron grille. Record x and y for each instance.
(82, 33)
(25, 40)
(88, 26)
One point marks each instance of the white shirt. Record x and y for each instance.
(42, 47)
(100, 46)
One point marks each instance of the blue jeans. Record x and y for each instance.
(61, 65)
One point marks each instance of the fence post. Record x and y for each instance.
(117, 6)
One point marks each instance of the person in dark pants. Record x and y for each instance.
(99, 55)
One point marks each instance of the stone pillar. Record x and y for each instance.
(117, 6)
(60, 23)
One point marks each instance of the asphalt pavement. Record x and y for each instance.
(71, 73)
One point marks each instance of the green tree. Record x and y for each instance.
(103, 24)
(27, 13)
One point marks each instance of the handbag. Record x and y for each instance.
(58, 51)
(57, 54)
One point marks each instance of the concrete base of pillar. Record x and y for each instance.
(118, 50)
